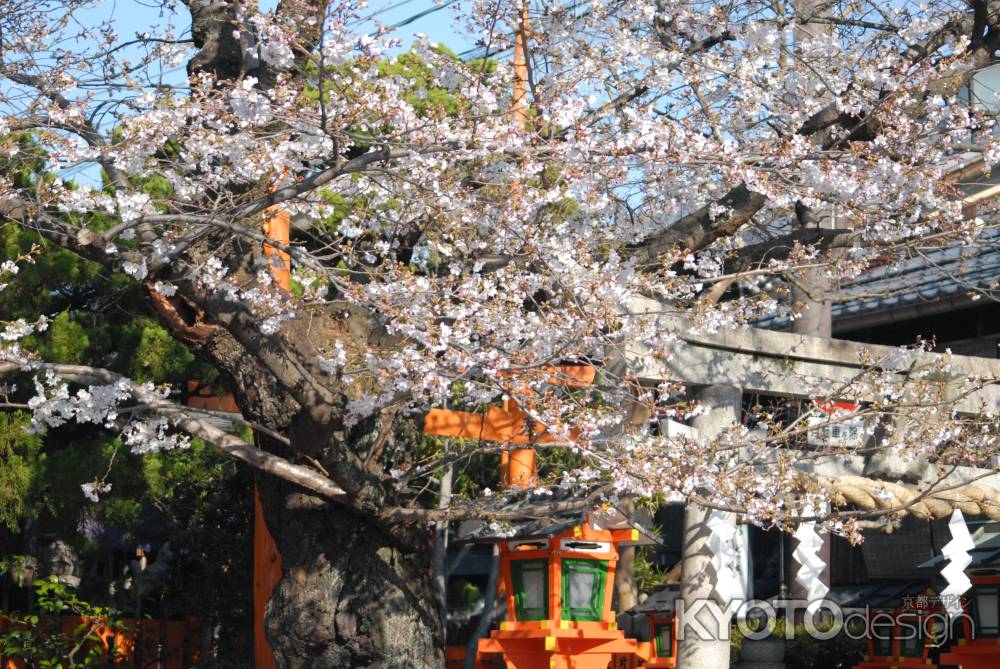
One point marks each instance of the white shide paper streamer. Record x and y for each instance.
(956, 552)
(811, 565)
(725, 556)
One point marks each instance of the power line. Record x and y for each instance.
(415, 17)
(404, 22)
(368, 18)
(477, 52)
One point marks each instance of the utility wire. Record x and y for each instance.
(477, 52)
(415, 17)
(404, 22)
(371, 16)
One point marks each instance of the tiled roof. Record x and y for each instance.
(986, 554)
(551, 525)
(877, 595)
(925, 277)
(938, 274)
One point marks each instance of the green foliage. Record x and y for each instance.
(838, 652)
(23, 461)
(197, 498)
(203, 498)
(475, 473)
(426, 97)
(30, 161)
(42, 641)
(552, 462)
(149, 353)
(359, 207)
(56, 281)
(410, 70)
(67, 341)
(20, 568)
(648, 576)
(804, 651)
(463, 596)
(95, 318)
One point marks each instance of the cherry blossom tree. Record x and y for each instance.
(447, 253)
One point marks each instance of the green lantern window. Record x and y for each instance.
(531, 588)
(882, 633)
(911, 639)
(985, 610)
(664, 639)
(583, 589)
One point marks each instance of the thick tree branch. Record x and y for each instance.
(255, 457)
(85, 129)
(700, 228)
(82, 241)
(532, 511)
(192, 424)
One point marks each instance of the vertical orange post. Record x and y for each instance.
(521, 67)
(277, 226)
(266, 557)
(519, 468)
(266, 574)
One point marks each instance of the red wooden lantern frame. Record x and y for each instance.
(896, 660)
(972, 653)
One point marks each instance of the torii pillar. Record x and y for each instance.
(266, 557)
(696, 650)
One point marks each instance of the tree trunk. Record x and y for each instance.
(626, 590)
(349, 595)
(441, 545)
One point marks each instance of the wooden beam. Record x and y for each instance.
(498, 425)
(571, 376)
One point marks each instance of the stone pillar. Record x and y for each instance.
(723, 404)
(812, 299)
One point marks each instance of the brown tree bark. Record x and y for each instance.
(355, 591)
(350, 595)
(626, 590)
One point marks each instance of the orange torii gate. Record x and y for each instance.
(510, 425)
(558, 587)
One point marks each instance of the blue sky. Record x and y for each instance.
(135, 16)
(132, 17)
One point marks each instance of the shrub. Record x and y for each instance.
(65, 632)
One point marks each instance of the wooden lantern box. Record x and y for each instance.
(557, 584)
